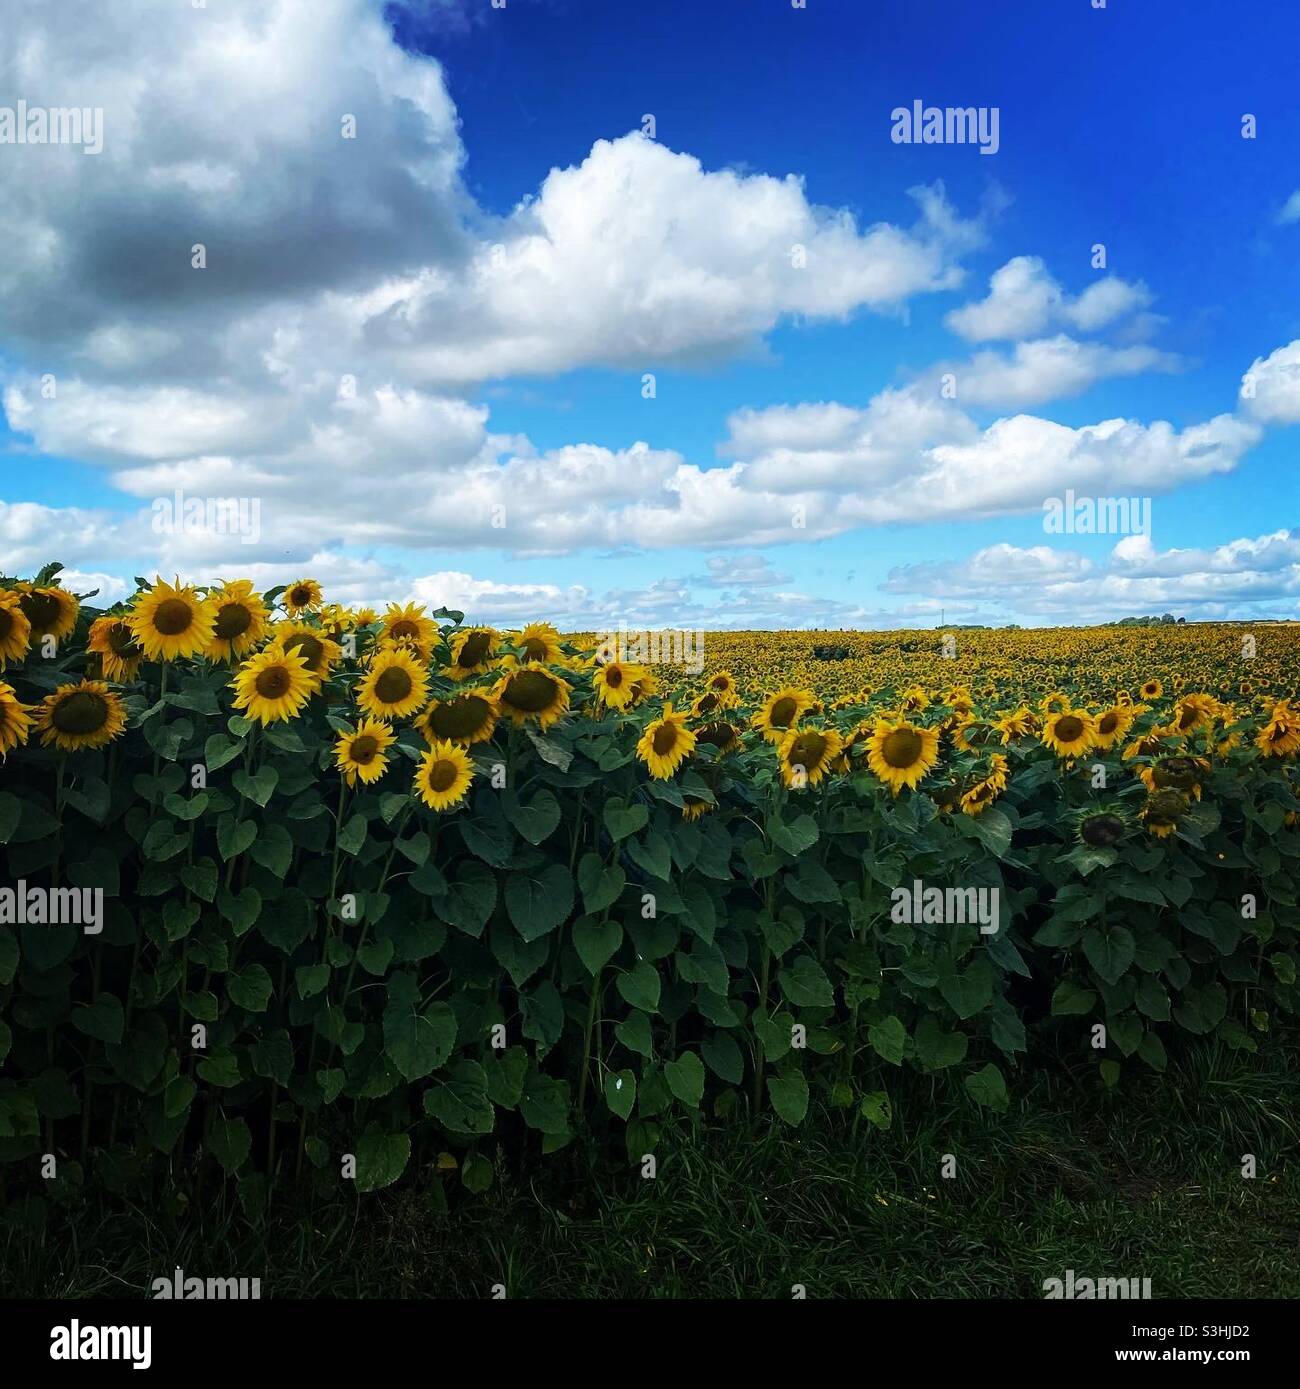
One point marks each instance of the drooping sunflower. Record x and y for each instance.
(395, 685)
(15, 720)
(472, 652)
(1055, 702)
(806, 755)
(665, 744)
(15, 629)
(541, 643)
(1069, 734)
(1164, 811)
(723, 687)
(1017, 723)
(50, 612)
(972, 735)
(1194, 711)
(468, 718)
(318, 651)
(410, 626)
(362, 751)
(643, 687)
(171, 621)
(302, 596)
(532, 695)
(900, 753)
(719, 734)
(240, 622)
(443, 776)
(1102, 827)
(615, 683)
(273, 685)
(781, 712)
(119, 652)
(704, 705)
(693, 807)
(87, 715)
(1176, 773)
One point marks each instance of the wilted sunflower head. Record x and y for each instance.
(1163, 811)
(468, 718)
(87, 715)
(1100, 829)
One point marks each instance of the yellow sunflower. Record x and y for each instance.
(529, 695)
(1175, 773)
(240, 622)
(410, 625)
(1151, 689)
(665, 744)
(781, 712)
(15, 720)
(1069, 734)
(472, 652)
(985, 791)
(15, 629)
(693, 807)
(806, 754)
(1110, 726)
(541, 643)
(615, 683)
(318, 651)
(914, 699)
(395, 685)
(443, 776)
(119, 652)
(1280, 736)
(901, 753)
(272, 685)
(363, 617)
(468, 718)
(87, 715)
(362, 752)
(1018, 723)
(723, 687)
(302, 596)
(719, 734)
(171, 620)
(1057, 702)
(50, 612)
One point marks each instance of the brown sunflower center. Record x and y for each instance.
(1101, 831)
(394, 685)
(717, 735)
(614, 677)
(664, 739)
(1068, 728)
(782, 712)
(40, 609)
(902, 748)
(708, 703)
(121, 640)
(233, 620)
(807, 750)
(308, 647)
(365, 749)
(531, 691)
(300, 595)
(274, 682)
(1108, 723)
(475, 650)
(442, 775)
(6, 623)
(720, 683)
(172, 617)
(1166, 806)
(84, 711)
(459, 718)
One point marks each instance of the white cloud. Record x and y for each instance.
(1271, 388)
(1050, 369)
(1290, 211)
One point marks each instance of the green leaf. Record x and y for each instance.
(1109, 952)
(640, 986)
(596, 942)
(937, 1049)
(381, 1159)
(622, 820)
(229, 1141)
(685, 1078)
(1069, 999)
(620, 1092)
(259, 786)
(789, 1096)
(601, 884)
(459, 1100)
(888, 1039)
(793, 836)
(968, 992)
(537, 820)
(352, 836)
(987, 1088)
(635, 1034)
(417, 1040)
(539, 902)
(877, 1110)
(234, 836)
(273, 849)
(805, 984)
(104, 1019)
(724, 1057)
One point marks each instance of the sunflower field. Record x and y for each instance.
(389, 890)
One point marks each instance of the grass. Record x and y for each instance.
(1144, 1182)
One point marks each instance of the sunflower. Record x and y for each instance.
(15, 720)
(541, 643)
(240, 622)
(171, 620)
(395, 685)
(723, 687)
(1069, 734)
(643, 687)
(50, 612)
(87, 715)
(1176, 773)
(719, 734)
(410, 626)
(1110, 726)
(302, 596)
(1151, 689)
(273, 685)
(443, 776)
(15, 629)
(1194, 711)
(970, 734)
(665, 743)
(1163, 812)
(468, 718)
(472, 652)
(528, 695)
(1101, 828)
(1017, 723)
(915, 699)
(1056, 702)
(706, 704)
(900, 753)
(1148, 745)
(362, 752)
(615, 683)
(806, 754)
(119, 652)
(1280, 736)
(363, 617)
(781, 712)
(693, 807)
(318, 651)
(985, 791)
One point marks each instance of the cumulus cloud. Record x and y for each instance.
(1050, 369)
(1024, 300)
(1270, 390)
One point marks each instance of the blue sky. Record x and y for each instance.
(1119, 125)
